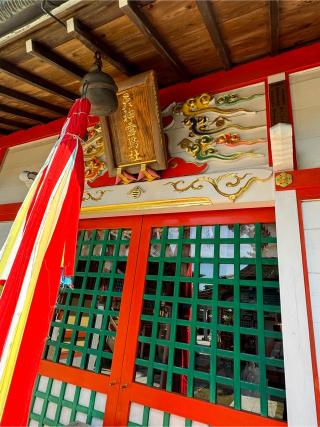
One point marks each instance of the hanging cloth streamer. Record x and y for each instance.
(41, 241)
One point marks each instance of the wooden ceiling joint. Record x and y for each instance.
(137, 17)
(4, 131)
(42, 52)
(22, 97)
(274, 22)
(210, 21)
(13, 123)
(81, 32)
(34, 80)
(22, 113)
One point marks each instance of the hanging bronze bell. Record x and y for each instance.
(100, 89)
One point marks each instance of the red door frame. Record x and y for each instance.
(186, 407)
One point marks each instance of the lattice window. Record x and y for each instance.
(83, 330)
(145, 416)
(56, 403)
(211, 323)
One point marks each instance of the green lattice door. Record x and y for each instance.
(83, 355)
(183, 330)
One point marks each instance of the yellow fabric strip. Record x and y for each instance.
(53, 210)
(8, 252)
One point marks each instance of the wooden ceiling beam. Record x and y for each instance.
(40, 51)
(137, 17)
(14, 123)
(210, 21)
(20, 96)
(274, 26)
(81, 32)
(22, 113)
(34, 80)
(5, 131)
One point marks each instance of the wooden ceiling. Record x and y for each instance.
(41, 69)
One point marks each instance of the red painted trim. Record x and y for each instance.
(194, 409)
(309, 307)
(266, 89)
(9, 211)
(37, 132)
(303, 179)
(291, 61)
(291, 121)
(87, 379)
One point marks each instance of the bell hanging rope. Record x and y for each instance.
(100, 89)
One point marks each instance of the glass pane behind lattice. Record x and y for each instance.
(211, 324)
(83, 330)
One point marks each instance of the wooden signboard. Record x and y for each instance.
(133, 134)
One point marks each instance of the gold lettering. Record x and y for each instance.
(129, 120)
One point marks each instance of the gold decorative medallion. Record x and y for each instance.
(284, 179)
(136, 192)
(228, 180)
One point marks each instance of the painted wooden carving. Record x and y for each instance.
(133, 134)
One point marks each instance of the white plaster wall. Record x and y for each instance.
(301, 405)
(305, 96)
(4, 231)
(311, 221)
(28, 157)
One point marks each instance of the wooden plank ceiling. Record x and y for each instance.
(40, 71)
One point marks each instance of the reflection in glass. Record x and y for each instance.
(270, 272)
(206, 271)
(248, 344)
(190, 232)
(225, 316)
(247, 231)
(268, 230)
(250, 372)
(277, 407)
(248, 294)
(272, 321)
(205, 291)
(248, 319)
(225, 292)
(204, 313)
(226, 271)
(207, 232)
(271, 296)
(169, 269)
(225, 340)
(226, 231)
(202, 362)
(171, 250)
(148, 307)
(156, 233)
(250, 401)
(274, 348)
(224, 367)
(275, 377)
(203, 336)
(207, 251)
(269, 250)
(248, 250)
(247, 272)
(225, 395)
(173, 233)
(201, 389)
(226, 251)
